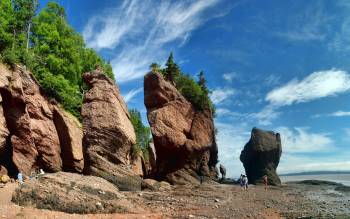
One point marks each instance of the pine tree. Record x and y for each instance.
(172, 70)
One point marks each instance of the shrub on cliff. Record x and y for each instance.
(49, 47)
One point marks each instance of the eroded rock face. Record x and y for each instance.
(4, 132)
(70, 133)
(150, 166)
(137, 165)
(29, 126)
(108, 133)
(183, 137)
(261, 156)
(34, 139)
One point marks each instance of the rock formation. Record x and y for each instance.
(70, 133)
(223, 172)
(108, 133)
(150, 166)
(261, 156)
(183, 137)
(26, 122)
(137, 164)
(4, 132)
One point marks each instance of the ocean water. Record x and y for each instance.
(339, 178)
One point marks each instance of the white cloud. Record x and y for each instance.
(131, 94)
(317, 85)
(226, 112)
(231, 140)
(266, 115)
(300, 140)
(139, 32)
(272, 80)
(340, 113)
(218, 95)
(229, 76)
(293, 164)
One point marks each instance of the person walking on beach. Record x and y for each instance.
(265, 181)
(245, 182)
(241, 181)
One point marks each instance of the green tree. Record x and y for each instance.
(195, 92)
(143, 134)
(172, 70)
(155, 67)
(6, 24)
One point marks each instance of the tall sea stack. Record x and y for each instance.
(261, 156)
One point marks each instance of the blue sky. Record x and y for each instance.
(277, 65)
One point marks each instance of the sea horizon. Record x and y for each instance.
(343, 178)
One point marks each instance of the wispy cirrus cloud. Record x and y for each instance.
(219, 95)
(229, 76)
(231, 140)
(308, 25)
(138, 31)
(315, 86)
(338, 113)
(131, 94)
(301, 140)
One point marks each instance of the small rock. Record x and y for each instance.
(140, 194)
(190, 216)
(217, 200)
(99, 205)
(102, 192)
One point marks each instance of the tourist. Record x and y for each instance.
(265, 181)
(20, 178)
(241, 181)
(245, 182)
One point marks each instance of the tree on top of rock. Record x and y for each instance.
(155, 67)
(202, 82)
(172, 69)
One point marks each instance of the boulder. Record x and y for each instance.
(154, 185)
(5, 179)
(261, 156)
(183, 137)
(34, 139)
(108, 133)
(222, 171)
(70, 133)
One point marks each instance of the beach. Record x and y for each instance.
(292, 200)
